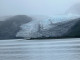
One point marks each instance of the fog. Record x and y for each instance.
(35, 7)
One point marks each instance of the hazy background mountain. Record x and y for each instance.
(3, 18)
(74, 9)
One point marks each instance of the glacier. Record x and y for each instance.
(53, 27)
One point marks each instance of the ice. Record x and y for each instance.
(57, 26)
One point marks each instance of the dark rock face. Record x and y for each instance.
(69, 29)
(66, 29)
(11, 26)
(74, 31)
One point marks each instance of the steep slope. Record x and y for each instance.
(74, 30)
(10, 27)
(48, 29)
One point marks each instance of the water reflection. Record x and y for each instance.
(40, 50)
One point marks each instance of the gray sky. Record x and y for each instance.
(35, 7)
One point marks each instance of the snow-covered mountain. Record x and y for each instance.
(10, 25)
(54, 27)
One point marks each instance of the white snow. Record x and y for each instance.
(35, 28)
(66, 17)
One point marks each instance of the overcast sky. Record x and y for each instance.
(35, 7)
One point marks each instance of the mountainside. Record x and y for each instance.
(74, 31)
(48, 29)
(11, 26)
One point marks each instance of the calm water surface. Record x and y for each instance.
(50, 49)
